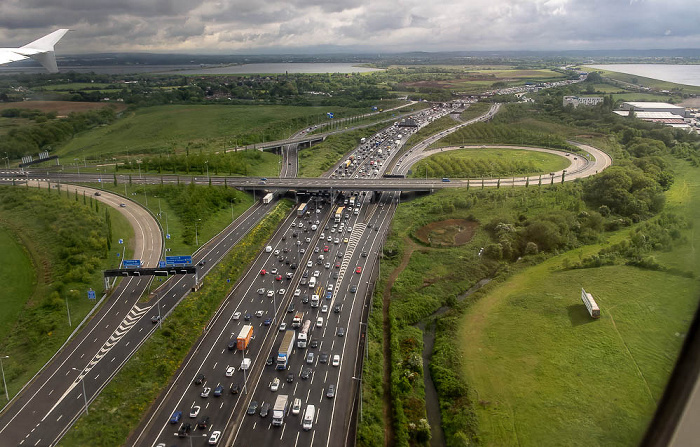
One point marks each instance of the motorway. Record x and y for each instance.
(47, 408)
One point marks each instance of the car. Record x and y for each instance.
(184, 430)
(201, 263)
(305, 299)
(334, 275)
(205, 391)
(281, 259)
(303, 281)
(346, 240)
(229, 371)
(330, 287)
(305, 274)
(297, 292)
(333, 230)
(175, 418)
(275, 385)
(97, 193)
(276, 252)
(325, 248)
(313, 344)
(331, 391)
(234, 388)
(218, 391)
(317, 273)
(307, 240)
(309, 357)
(285, 250)
(340, 331)
(123, 205)
(306, 373)
(329, 295)
(337, 265)
(327, 265)
(263, 271)
(203, 423)
(310, 264)
(267, 322)
(340, 254)
(290, 377)
(214, 438)
(278, 278)
(282, 291)
(199, 379)
(353, 288)
(364, 254)
(336, 241)
(296, 406)
(283, 326)
(329, 239)
(236, 315)
(316, 250)
(324, 308)
(259, 313)
(273, 271)
(252, 407)
(336, 309)
(290, 275)
(319, 322)
(336, 360)
(155, 319)
(264, 410)
(270, 360)
(323, 358)
(247, 316)
(358, 269)
(232, 344)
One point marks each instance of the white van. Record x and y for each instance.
(268, 249)
(309, 416)
(312, 282)
(245, 364)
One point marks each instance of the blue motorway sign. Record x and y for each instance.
(178, 260)
(161, 264)
(167, 236)
(131, 263)
(91, 295)
(121, 241)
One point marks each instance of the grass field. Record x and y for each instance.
(201, 128)
(471, 163)
(18, 277)
(60, 107)
(529, 348)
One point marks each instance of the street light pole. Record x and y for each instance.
(68, 310)
(82, 379)
(4, 384)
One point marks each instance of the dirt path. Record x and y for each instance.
(386, 342)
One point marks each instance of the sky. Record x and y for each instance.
(294, 26)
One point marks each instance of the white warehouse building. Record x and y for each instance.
(639, 106)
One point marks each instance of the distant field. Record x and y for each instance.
(472, 163)
(197, 128)
(646, 82)
(73, 86)
(17, 276)
(60, 107)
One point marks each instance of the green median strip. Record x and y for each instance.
(121, 405)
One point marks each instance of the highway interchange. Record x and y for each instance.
(37, 418)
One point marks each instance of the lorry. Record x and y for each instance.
(347, 163)
(285, 350)
(296, 321)
(268, 198)
(362, 140)
(315, 300)
(303, 337)
(244, 337)
(339, 214)
(279, 411)
(302, 209)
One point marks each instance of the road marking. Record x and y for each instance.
(50, 392)
(59, 418)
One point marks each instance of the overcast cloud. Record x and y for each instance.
(250, 26)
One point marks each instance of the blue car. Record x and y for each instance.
(329, 295)
(267, 322)
(176, 417)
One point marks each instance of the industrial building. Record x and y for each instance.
(657, 112)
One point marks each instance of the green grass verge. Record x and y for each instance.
(58, 249)
(317, 159)
(597, 382)
(179, 207)
(471, 163)
(18, 277)
(475, 110)
(122, 404)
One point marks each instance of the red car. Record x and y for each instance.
(278, 277)
(325, 248)
(337, 265)
(358, 269)
(262, 272)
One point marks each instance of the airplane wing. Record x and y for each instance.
(41, 50)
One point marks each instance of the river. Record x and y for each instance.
(676, 73)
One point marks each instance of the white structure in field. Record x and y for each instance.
(658, 112)
(590, 304)
(41, 50)
(582, 100)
